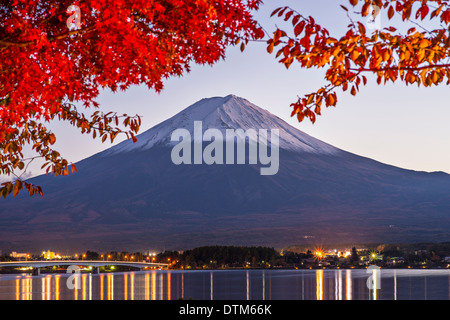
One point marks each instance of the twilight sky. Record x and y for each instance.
(403, 126)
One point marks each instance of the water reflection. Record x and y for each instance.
(132, 286)
(125, 287)
(348, 284)
(110, 279)
(182, 286)
(101, 286)
(147, 286)
(237, 284)
(319, 285)
(395, 285)
(154, 286)
(248, 285)
(210, 289)
(264, 285)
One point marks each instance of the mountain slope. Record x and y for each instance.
(132, 196)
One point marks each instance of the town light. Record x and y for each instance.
(319, 254)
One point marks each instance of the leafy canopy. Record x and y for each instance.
(48, 65)
(417, 56)
(47, 68)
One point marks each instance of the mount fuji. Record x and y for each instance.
(133, 197)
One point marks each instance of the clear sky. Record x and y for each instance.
(395, 124)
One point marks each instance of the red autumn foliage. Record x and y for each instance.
(48, 66)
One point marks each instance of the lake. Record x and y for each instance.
(342, 284)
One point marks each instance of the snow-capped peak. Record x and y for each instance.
(222, 113)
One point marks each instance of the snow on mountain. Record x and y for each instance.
(222, 113)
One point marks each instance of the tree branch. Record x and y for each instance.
(6, 44)
(401, 68)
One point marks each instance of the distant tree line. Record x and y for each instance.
(222, 256)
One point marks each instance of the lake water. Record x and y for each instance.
(352, 284)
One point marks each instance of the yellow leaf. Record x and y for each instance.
(424, 43)
(17, 187)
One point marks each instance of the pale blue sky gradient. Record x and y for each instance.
(403, 126)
